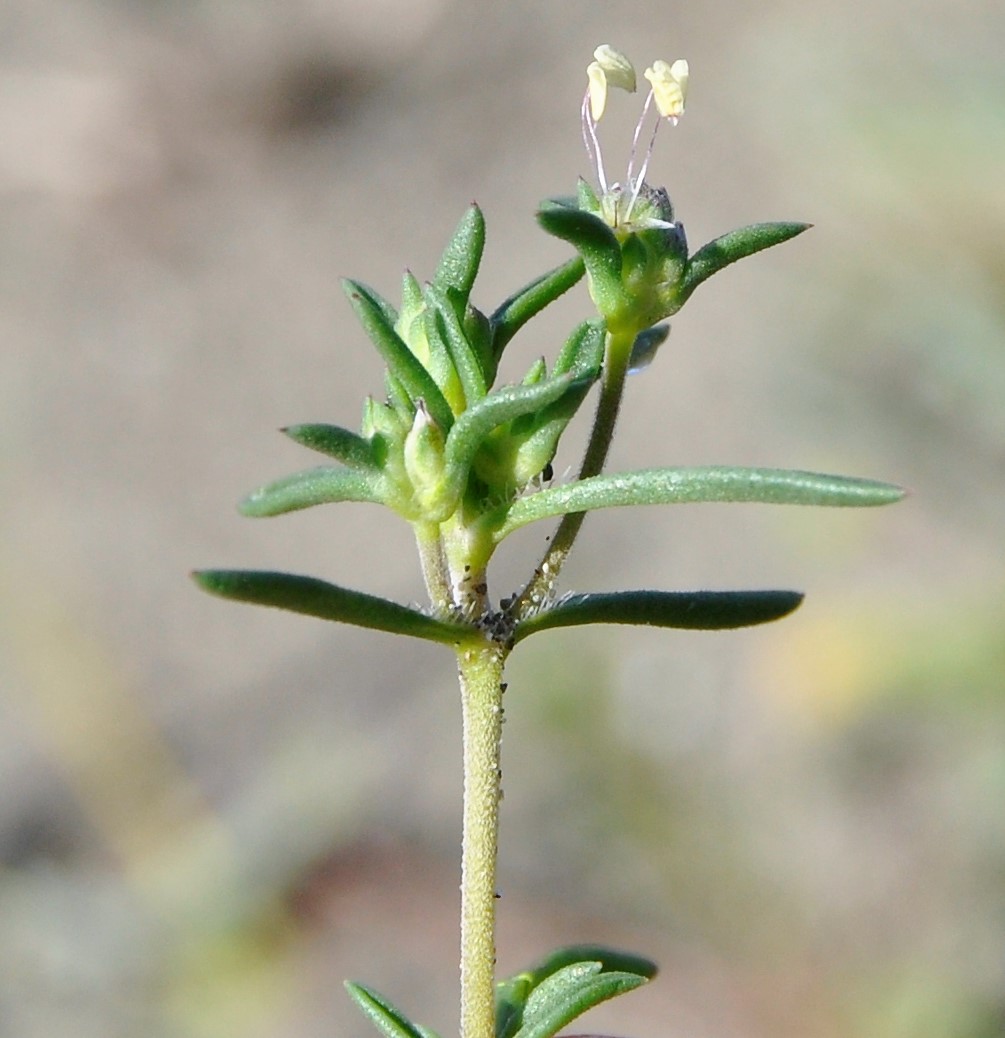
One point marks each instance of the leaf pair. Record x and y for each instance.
(643, 274)
(534, 1004)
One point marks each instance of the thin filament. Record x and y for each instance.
(637, 186)
(635, 139)
(592, 143)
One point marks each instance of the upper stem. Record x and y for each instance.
(539, 587)
(434, 566)
(480, 667)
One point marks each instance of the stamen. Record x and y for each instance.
(592, 143)
(637, 186)
(635, 138)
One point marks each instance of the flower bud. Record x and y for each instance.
(424, 464)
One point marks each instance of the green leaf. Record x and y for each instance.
(511, 997)
(318, 598)
(686, 610)
(569, 992)
(401, 362)
(693, 485)
(443, 322)
(390, 1021)
(459, 264)
(609, 958)
(595, 242)
(512, 994)
(530, 300)
(500, 406)
(745, 241)
(478, 332)
(320, 486)
(583, 352)
(345, 446)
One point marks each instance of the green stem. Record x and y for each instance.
(434, 566)
(480, 667)
(539, 588)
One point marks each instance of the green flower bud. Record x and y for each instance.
(424, 464)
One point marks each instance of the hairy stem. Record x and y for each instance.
(434, 566)
(480, 669)
(539, 587)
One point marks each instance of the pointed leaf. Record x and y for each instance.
(685, 610)
(692, 485)
(568, 993)
(711, 258)
(444, 321)
(325, 601)
(530, 300)
(390, 1021)
(320, 486)
(478, 332)
(459, 264)
(345, 446)
(401, 362)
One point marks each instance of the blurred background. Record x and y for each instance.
(211, 814)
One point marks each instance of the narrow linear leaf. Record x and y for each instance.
(583, 352)
(570, 992)
(609, 959)
(530, 300)
(399, 399)
(313, 597)
(589, 235)
(694, 485)
(390, 1021)
(466, 360)
(345, 446)
(511, 997)
(512, 994)
(735, 245)
(320, 486)
(401, 362)
(686, 610)
(458, 266)
(500, 406)
(478, 332)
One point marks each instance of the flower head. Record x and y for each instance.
(668, 90)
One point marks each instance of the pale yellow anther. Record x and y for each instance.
(669, 83)
(619, 70)
(610, 69)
